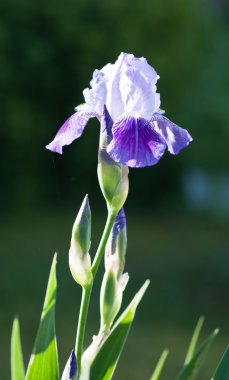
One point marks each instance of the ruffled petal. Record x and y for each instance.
(138, 87)
(70, 130)
(95, 97)
(176, 138)
(135, 143)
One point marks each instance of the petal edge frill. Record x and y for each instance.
(72, 129)
(135, 143)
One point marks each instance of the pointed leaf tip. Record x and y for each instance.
(194, 339)
(160, 365)
(17, 363)
(43, 363)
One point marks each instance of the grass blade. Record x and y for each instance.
(160, 365)
(191, 369)
(193, 342)
(222, 371)
(17, 363)
(43, 364)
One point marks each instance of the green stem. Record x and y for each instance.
(85, 300)
(102, 245)
(86, 292)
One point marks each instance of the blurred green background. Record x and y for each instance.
(178, 211)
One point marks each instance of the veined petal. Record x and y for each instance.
(176, 138)
(70, 130)
(135, 143)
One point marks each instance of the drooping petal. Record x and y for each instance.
(176, 138)
(70, 130)
(135, 143)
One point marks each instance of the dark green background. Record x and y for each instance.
(49, 50)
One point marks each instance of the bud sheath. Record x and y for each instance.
(79, 258)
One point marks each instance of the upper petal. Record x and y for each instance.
(135, 143)
(114, 100)
(95, 97)
(138, 87)
(70, 130)
(176, 138)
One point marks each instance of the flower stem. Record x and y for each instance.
(86, 292)
(102, 245)
(85, 300)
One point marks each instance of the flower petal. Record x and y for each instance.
(135, 143)
(176, 138)
(95, 97)
(70, 369)
(138, 87)
(70, 130)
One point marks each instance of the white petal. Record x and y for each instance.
(95, 97)
(138, 88)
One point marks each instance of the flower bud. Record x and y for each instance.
(113, 177)
(110, 299)
(70, 370)
(79, 258)
(116, 247)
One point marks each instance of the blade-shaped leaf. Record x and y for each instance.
(222, 371)
(190, 370)
(193, 342)
(43, 364)
(17, 363)
(106, 360)
(160, 365)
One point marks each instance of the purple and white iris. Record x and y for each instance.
(140, 133)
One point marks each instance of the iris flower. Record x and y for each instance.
(140, 132)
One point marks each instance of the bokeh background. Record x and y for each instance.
(178, 211)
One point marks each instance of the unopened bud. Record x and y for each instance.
(116, 247)
(113, 177)
(70, 370)
(79, 258)
(110, 300)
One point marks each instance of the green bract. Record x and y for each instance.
(113, 177)
(79, 258)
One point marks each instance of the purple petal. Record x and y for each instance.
(135, 143)
(176, 138)
(70, 130)
(119, 223)
(72, 365)
(70, 369)
(106, 122)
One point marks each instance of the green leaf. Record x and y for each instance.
(222, 371)
(193, 342)
(106, 359)
(160, 365)
(17, 363)
(191, 369)
(43, 364)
